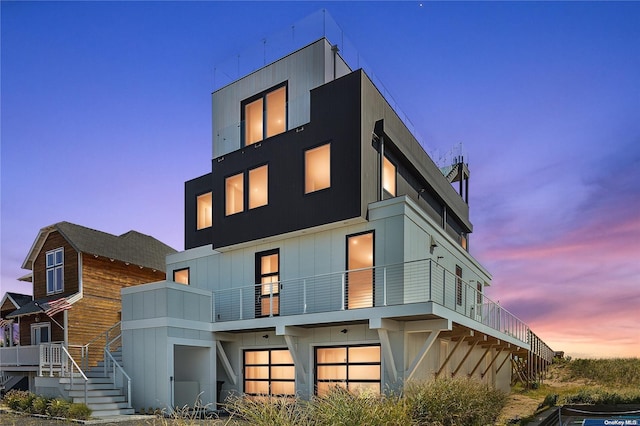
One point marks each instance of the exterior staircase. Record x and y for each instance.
(103, 396)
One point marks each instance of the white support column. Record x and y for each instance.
(225, 363)
(383, 326)
(289, 333)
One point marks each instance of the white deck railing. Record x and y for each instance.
(399, 284)
(20, 356)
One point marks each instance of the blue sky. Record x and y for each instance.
(106, 113)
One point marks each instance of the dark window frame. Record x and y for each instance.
(373, 266)
(258, 280)
(263, 95)
(346, 364)
(304, 168)
(458, 285)
(188, 269)
(269, 365)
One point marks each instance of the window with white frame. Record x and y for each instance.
(40, 333)
(55, 271)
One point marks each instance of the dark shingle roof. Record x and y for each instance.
(130, 247)
(20, 299)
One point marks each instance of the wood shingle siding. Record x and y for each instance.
(54, 241)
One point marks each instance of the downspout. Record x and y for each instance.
(335, 51)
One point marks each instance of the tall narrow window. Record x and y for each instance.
(458, 285)
(234, 194)
(269, 372)
(181, 276)
(317, 168)
(388, 176)
(268, 283)
(356, 368)
(204, 214)
(360, 271)
(479, 293)
(265, 115)
(55, 271)
(258, 187)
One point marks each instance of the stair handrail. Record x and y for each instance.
(109, 359)
(74, 363)
(84, 349)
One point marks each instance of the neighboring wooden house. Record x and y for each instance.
(78, 272)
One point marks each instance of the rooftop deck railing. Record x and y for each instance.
(390, 285)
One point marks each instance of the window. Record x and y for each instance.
(355, 368)
(181, 276)
(55, 271)
(234, 194)
(265, 115)
(458, 285)
(269, 372)
(203, 207)
(479, 293)
(268, 283)
(258, 187)
(359, 282)
(389, 176)
(40, 333)
(317, 168)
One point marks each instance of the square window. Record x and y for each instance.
(234, 194)
(317, 168)
(258, 187)
(204, 213)
(264, 115)
(181, 276)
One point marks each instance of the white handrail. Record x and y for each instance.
(109, 359)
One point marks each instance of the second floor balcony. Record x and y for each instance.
(404, 288)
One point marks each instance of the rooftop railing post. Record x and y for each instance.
(384, 285)
(304, 296)
(343, 292)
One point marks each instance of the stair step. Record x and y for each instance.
(108, 406)
(94, 393)
(100, 399)
(92, 380)
(110, 413)
(90, 386)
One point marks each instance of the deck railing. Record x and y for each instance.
(19, 356)
(390, 285)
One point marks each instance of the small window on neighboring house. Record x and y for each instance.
(234, 194)
(317, 168)
(265, 115)
(258, 187)
(389, 176)
(458, 285)
(55, 271)
(181, 276)
(204, 205)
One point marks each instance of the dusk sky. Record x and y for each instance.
(106, 112)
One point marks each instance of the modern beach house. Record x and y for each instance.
(324, 248)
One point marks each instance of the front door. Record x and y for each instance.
(360, 267)
(40, 333)
(268, 283)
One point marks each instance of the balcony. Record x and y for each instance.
(405, 284)
(20, 358)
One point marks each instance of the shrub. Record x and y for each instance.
(79, 411)
(454, 402)
(16, 399)
(341, 407)
(268, 411)
(58, 408)
(39, 405)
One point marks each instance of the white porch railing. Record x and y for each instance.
(56, 359)
(20, 356)
(102, 340)
(399, 284)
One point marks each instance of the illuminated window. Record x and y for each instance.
(234, 194)
(258, 187)
(269, 372)
(204, 216)
(360, 281)
(181, 276)
(268, 283)
(265, 115)
(317, 168)
(355, 368)
(389, 176)
(458, 285)
(55, 271)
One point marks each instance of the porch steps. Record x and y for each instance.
(104, 399)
